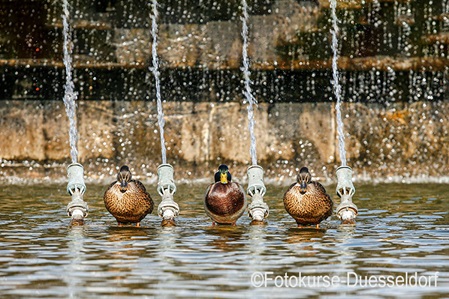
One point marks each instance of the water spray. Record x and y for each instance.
(168, 209)
(77, 209)
(346, 211)
(70, 95)
(258, 209)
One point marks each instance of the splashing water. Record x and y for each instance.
(246, 75)
(155, 71)
(336, 83)
(70, 95)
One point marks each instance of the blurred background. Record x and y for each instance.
(393, 66)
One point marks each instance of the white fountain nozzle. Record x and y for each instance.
(165, 179)
(168, 214)
(347, 214)
(344, 181)
(259, 213)
(77, 208)
(168, 209)
(75, 172)
(258, 210)
(347, 211)
(77, 215)
(255, 180)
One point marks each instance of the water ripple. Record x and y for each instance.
(42, 256)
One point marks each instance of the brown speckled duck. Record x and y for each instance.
(307, 201)
(225, 200)
(127, 199)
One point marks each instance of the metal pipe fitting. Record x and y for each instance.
(347, 211)
(258, 210)
(168, 209)
(77, 209)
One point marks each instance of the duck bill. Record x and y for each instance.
(303, 187)
(123, 185)
(223, 178)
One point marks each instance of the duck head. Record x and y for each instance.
(124, 177)
(223, 175)
(304, 177)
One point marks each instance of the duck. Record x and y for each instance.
(127, 199)
(225, 200)
(307, 201)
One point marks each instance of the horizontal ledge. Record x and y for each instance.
(381, 63)
(83, 24)
(442, 38)
(357, 4)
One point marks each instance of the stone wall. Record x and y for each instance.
(409, 140)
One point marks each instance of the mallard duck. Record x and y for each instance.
(225, 200)
(307, 201)
(127, 199)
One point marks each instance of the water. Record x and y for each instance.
(403, 229)
(246, 75)
(403, 13)
(156, 74)
(336, 83)
(70, 95)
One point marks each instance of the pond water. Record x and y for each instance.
(401, 238)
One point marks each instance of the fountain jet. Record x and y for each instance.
(168, 209)
(347, 211)
(77, 208)
(258, 209)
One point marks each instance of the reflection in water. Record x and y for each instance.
(76, 238)
(226, 238)
(41, 254)
(167, 238)
(345, 255)
(256, 245)
(125, 234)
(256, 240)
(306, 234)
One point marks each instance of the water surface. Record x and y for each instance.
(402, 230)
